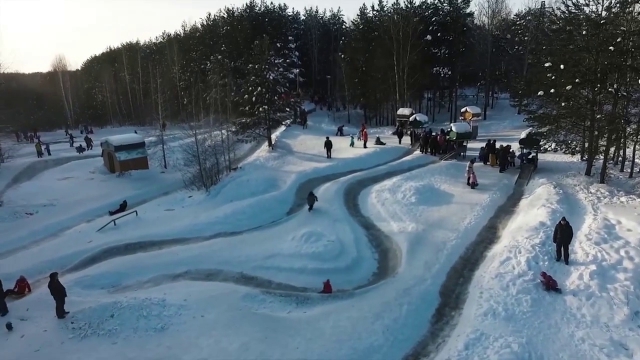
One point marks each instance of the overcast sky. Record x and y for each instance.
(32, 32)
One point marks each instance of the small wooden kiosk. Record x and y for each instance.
(403, 116)
(471, 114)
(121, 153)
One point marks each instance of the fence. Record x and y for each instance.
(118, 218)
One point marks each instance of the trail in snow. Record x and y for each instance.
(455, 289)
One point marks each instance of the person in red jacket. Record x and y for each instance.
(21, 287)
(549, 283)
(326, 287)
(365, 137)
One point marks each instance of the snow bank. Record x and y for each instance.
(124, 139)
(461, 128)
(598, 314)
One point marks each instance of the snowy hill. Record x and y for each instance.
(236, 273)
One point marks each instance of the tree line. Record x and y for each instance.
(569, 66)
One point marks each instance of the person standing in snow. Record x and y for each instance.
(311, 200)
(470, 170)
(562, 237)
(328, 145)
(4, 310)
(365, 138)
(59, 294)
(399, 134)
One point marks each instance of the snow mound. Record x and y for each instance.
(119, 319)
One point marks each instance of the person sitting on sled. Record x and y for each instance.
(326, 287)
(549, 283)
(22, 287)
(120, 209)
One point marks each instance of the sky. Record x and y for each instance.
(33, 32)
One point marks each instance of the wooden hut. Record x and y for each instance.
(403, 116)
(471, 115)
(121, 153)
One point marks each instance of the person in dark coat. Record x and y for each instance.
(424, 142)
(59, 294)
(311, 200)
(122, 208)
(328, 145)
(562, 237)
(399, 134)
(340, 131)
(4, 310)
(433, 145)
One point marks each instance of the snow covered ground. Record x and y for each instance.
(509, 316)
(232, 274)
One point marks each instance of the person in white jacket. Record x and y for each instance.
(470, 170)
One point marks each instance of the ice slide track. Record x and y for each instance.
(388, 253)
(299, 203)
(455, 288)
(34, 169)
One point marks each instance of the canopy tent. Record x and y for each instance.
(461, 131)
(417, 121)
(420, 117)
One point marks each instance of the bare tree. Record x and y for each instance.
(201, 157)
(60, 65)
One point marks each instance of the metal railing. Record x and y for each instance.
(118, 218)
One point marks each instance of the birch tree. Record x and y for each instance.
(60, 65)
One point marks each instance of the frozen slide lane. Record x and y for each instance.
(37, 167)
(137, 247)
(388, 254)
(454, 291)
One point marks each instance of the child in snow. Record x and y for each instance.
(352, 143)
(549, 283)
(22, 287)
(326, 287)
(474, 180)
(512, 159)
(311, 200)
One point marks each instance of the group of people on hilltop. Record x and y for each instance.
(27, 136)
(23, 288)
(502, 156)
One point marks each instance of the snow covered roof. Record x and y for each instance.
(471, 109)
(461, 128)
(420, 117)
(405, 111)
(125, 139)
(526, 133)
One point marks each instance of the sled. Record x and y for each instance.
(17, 297)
